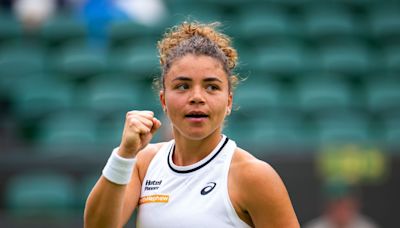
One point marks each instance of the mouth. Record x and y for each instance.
(196, 115)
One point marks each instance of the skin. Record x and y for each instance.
(342, 211)
(193, 84)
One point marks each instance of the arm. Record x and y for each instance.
(107, 205)
(265, 197)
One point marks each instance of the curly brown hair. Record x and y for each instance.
(200, 39)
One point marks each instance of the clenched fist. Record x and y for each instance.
(139, 128)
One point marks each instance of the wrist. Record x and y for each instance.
(118, 169)
(125, 152)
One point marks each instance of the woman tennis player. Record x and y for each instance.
(200, 178)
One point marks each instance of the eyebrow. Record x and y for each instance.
(208, 79)
(182, 78)
(212, 79)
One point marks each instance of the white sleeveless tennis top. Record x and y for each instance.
(188, 196)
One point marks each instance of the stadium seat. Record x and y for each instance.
(38, 96)
(281, 58)
(318, 94)
(61, 29)
(343, 128)
(126, 32)
(106, 95)
(260, 23)
(292, 3)
(14, 67)
(64, 133)
(10, 28)
(39, 193)
(391, 135)
(384, 21)
(18, 60)
(80, 62)
(391, 59)
(284, 133)
(350, 58)
(383, 95)
(140, 61)
(255, 98)
(358, 5)
(269, 132)
(201, 11)
(228, 3)
(327, 21)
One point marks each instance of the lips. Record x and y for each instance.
(196, 114)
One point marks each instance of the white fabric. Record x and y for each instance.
(172, 196)
(118, 169)
(358, 221)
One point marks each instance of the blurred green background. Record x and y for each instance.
(321, 98)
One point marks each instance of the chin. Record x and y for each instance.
(195, 133)
(198, 135)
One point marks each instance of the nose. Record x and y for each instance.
(197, 96)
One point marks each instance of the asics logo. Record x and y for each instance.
(210, 186)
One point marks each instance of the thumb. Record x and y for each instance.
(156, 125)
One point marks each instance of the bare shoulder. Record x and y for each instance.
(247, 169)
(145, 156)
(260, 192)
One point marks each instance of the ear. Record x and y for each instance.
(230, 102)
(162, 100)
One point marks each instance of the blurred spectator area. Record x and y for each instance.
(318, 73)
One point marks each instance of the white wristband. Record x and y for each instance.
(118, 170)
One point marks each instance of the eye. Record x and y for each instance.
(212, 87)
(182, 87)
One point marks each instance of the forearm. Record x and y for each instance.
(107, 205)
(104, 205)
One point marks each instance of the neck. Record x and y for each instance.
(189, 151)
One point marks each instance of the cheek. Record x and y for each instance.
(220, 104)
(174, 100)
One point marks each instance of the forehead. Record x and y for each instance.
(196, 65)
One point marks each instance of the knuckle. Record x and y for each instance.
(149, 122)
(147, 113)
(133, 122)
(146, 130)
(129, 114)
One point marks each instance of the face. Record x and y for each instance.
(196, 96)
(342, 211)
